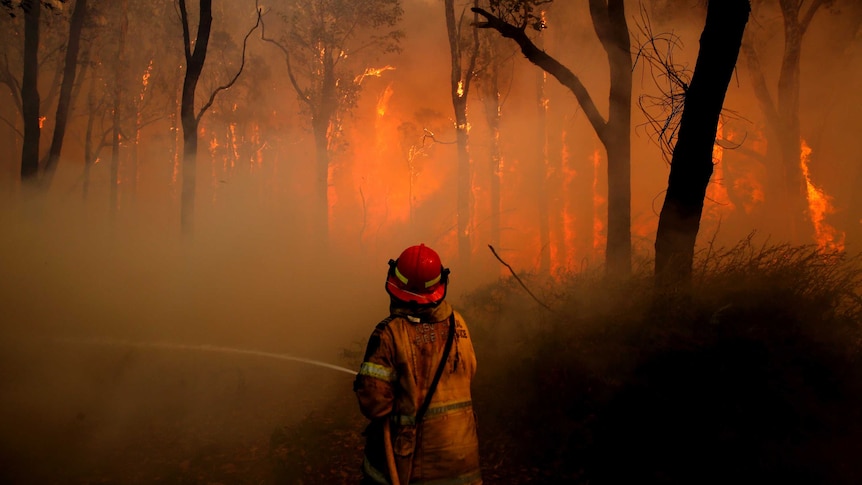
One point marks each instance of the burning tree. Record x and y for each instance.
(784, 135)
(327, 47)
(511, 19)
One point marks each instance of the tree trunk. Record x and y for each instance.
(612, 29)
(460, 87)
(64, 104)
(691, 164)
(194, 65)
(493, 116)
(788, 197)
(30, 93)
(320, 128)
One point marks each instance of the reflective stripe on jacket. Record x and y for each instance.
(399, 365)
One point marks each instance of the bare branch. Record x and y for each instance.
(550, 65)
(17, 131)
(519, 279)
(299, 91)
(238, 72)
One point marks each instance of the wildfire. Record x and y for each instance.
(372, 71)
(819, 205)
(145, 79)
(598, 202)
(716, 191)
(383, 101)
(569, 207)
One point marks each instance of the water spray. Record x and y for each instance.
(202, 348)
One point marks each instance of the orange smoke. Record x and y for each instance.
(819, 205)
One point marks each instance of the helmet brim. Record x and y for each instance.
(434, 296)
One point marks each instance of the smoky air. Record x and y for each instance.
(198, 201)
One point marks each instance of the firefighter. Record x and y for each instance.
(414, 382)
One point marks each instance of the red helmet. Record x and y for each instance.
(417, 276)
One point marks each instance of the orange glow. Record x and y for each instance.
(819, 205)
(566, 259)
(234, 145)
(390, 173)
(599, 237)
(42, 122)
(372, 71)
(145, 79)
(257, 158)
(383, 101)
(717, 203)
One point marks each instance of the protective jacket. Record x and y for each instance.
(401, 359)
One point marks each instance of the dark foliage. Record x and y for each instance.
(754, 376)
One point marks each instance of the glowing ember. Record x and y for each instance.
(819, 205)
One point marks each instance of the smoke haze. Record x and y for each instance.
(78, 267)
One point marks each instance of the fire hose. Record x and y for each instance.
(390, 454)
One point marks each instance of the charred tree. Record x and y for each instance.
(189, 120)
(609, 22)
(36, 172)
(188, 117)
(64, 104)
(691, 165)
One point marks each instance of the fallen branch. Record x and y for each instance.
(519, 279)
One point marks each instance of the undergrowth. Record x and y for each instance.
(751, 374)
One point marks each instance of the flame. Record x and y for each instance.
(598, 202)
(819, 205)
(234, 145)
(383, 101)
(257, 158)
(716, 191)
(145, 80)
(372, 71)
(42, 121)
(569, 209)
(460, 90)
